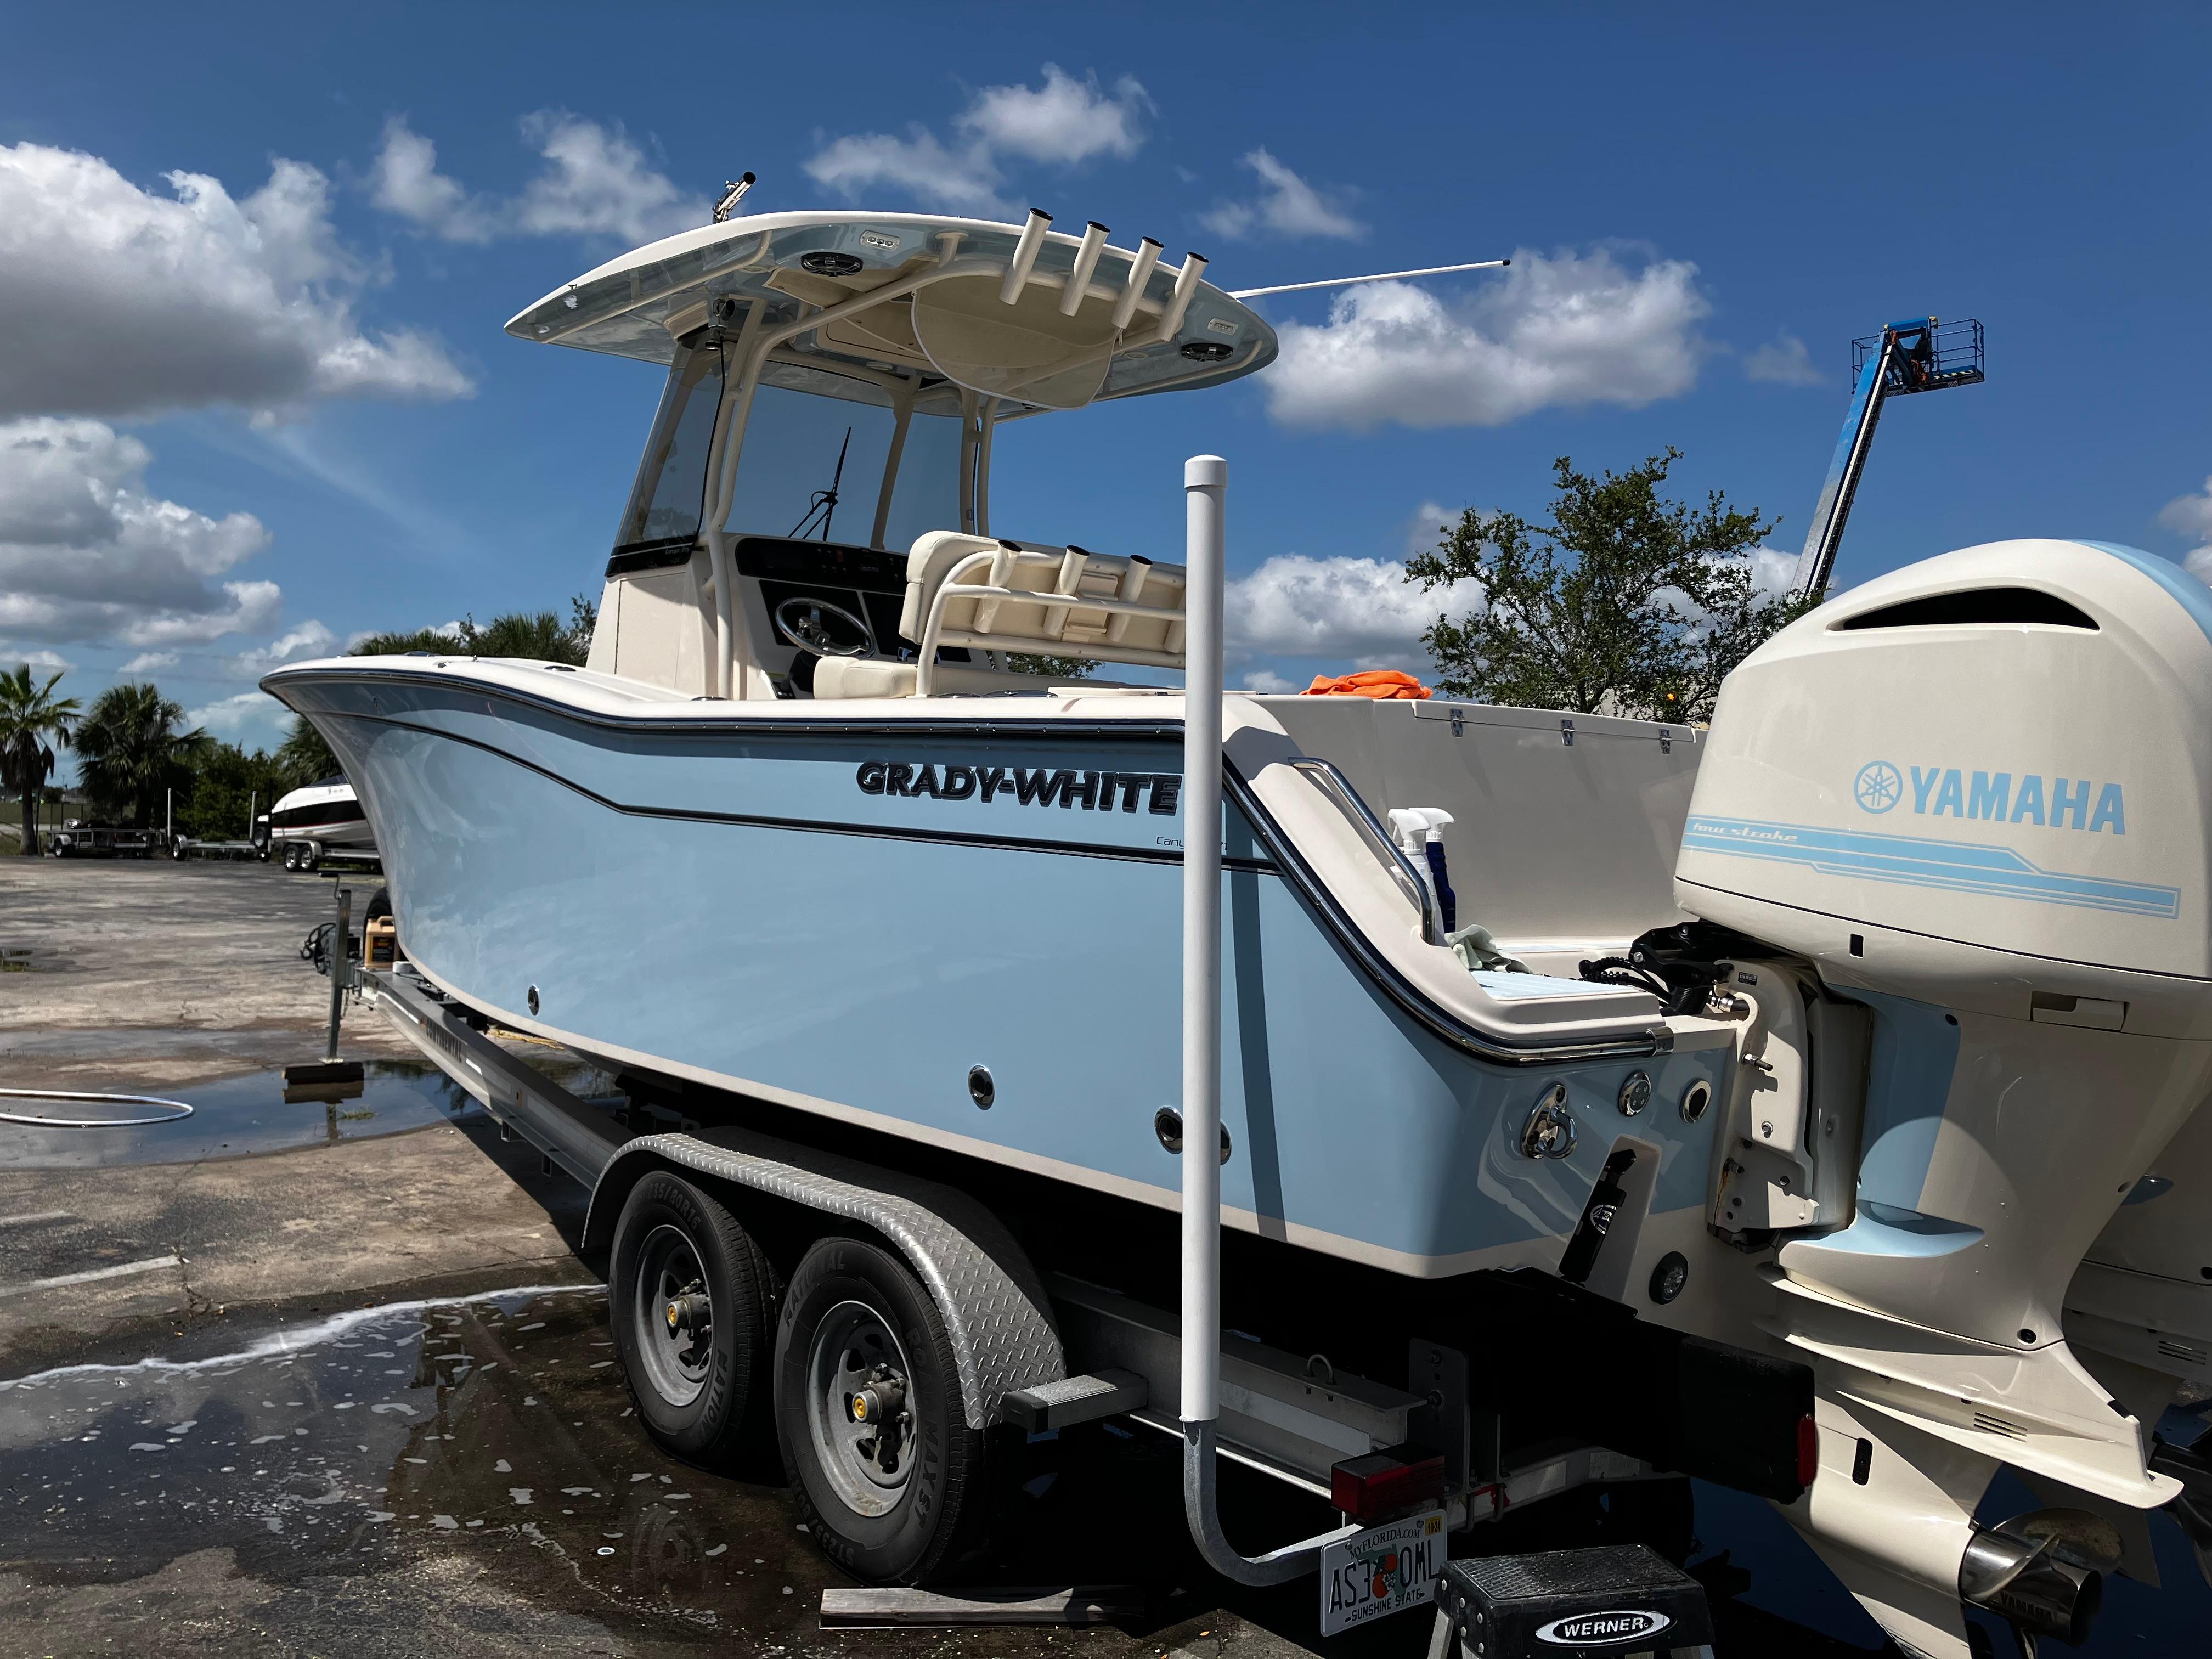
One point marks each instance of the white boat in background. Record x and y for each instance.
(319, 820)
(1805, 1061)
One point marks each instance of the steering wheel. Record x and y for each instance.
(826, 630)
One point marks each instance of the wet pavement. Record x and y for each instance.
(232, 1118)
(148, 976)
(350, 1442)
(469, 1475)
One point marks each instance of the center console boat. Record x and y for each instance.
(1805, 1042)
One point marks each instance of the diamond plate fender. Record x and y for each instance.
(993, 1303)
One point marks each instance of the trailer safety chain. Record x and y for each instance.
(316, 947)
(180, 1113)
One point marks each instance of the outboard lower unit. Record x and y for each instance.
(1966, 805)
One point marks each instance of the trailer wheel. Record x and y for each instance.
(868, 1413)
(691, 1297)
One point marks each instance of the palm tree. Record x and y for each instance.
(29, 715)
(304, 757)
(133, 750)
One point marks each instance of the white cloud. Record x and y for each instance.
(2191, 514)
(1361, 609)
(248, 713)
(918, 165)
(1286, 206)
(1565, 331)
(147, 661)
(595, 182)
(309, 639)
(405, 179)
(123, 302)
(1267, 680)
(39, 662)
(1773, 573)
(86, 553)
(1427, 526)
(1063, 122)
(1785, 361)
(2198, 564)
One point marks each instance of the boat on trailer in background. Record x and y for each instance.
(317, 820)
(1759, 1133)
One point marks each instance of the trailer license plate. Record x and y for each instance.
(1382, 1571)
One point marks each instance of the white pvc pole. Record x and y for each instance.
(1206, 483)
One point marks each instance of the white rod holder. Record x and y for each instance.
(1179, 297)
(1133, 289)
(1026, 249)
(1205, 486)
(1086, 261)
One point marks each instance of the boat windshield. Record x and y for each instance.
(815, 462)
(666, 503)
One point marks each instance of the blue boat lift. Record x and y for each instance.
(1919, 354)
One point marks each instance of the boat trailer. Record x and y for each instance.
(1041, 1351)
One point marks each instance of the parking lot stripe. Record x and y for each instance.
(27, 1220)
(150, 1265)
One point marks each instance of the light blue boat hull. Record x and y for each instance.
(731, 906)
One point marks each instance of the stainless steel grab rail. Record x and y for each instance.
(1354, 806)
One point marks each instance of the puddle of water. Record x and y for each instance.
(233, 1116)
(498, 1432)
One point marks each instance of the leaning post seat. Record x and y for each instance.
(837, 678)
(995, 595)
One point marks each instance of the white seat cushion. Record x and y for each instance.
(871, 676)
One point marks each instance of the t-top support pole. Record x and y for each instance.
(1206, 485)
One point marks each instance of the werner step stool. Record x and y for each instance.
(1604, 1603)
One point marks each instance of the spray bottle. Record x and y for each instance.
(1420, 830)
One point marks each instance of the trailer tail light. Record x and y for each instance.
(1808, 1450)
(1385, 1483)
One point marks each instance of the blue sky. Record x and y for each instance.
(252, 411)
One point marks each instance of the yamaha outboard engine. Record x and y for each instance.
(1971, 797)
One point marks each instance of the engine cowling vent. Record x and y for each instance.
(1974, 606)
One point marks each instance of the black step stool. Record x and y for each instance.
(1602, 1603)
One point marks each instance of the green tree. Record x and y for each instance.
(30, 714)
(131, 751)
(1624, 601)
(303, 757)
(228, 787)
(539, 636)
(1058, 668)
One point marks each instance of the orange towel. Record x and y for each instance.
(1368, 683)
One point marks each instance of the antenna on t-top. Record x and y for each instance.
(1379, 277)
(733, 193)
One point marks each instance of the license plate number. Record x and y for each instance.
(1382, 1571)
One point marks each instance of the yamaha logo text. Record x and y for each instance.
(1955, 792)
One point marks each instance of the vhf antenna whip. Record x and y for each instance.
(733, 193)
(825, 500)
(1379, 277)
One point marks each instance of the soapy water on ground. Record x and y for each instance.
(500, 1427)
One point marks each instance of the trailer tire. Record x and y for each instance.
(855, 1314)
(678, 1254)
